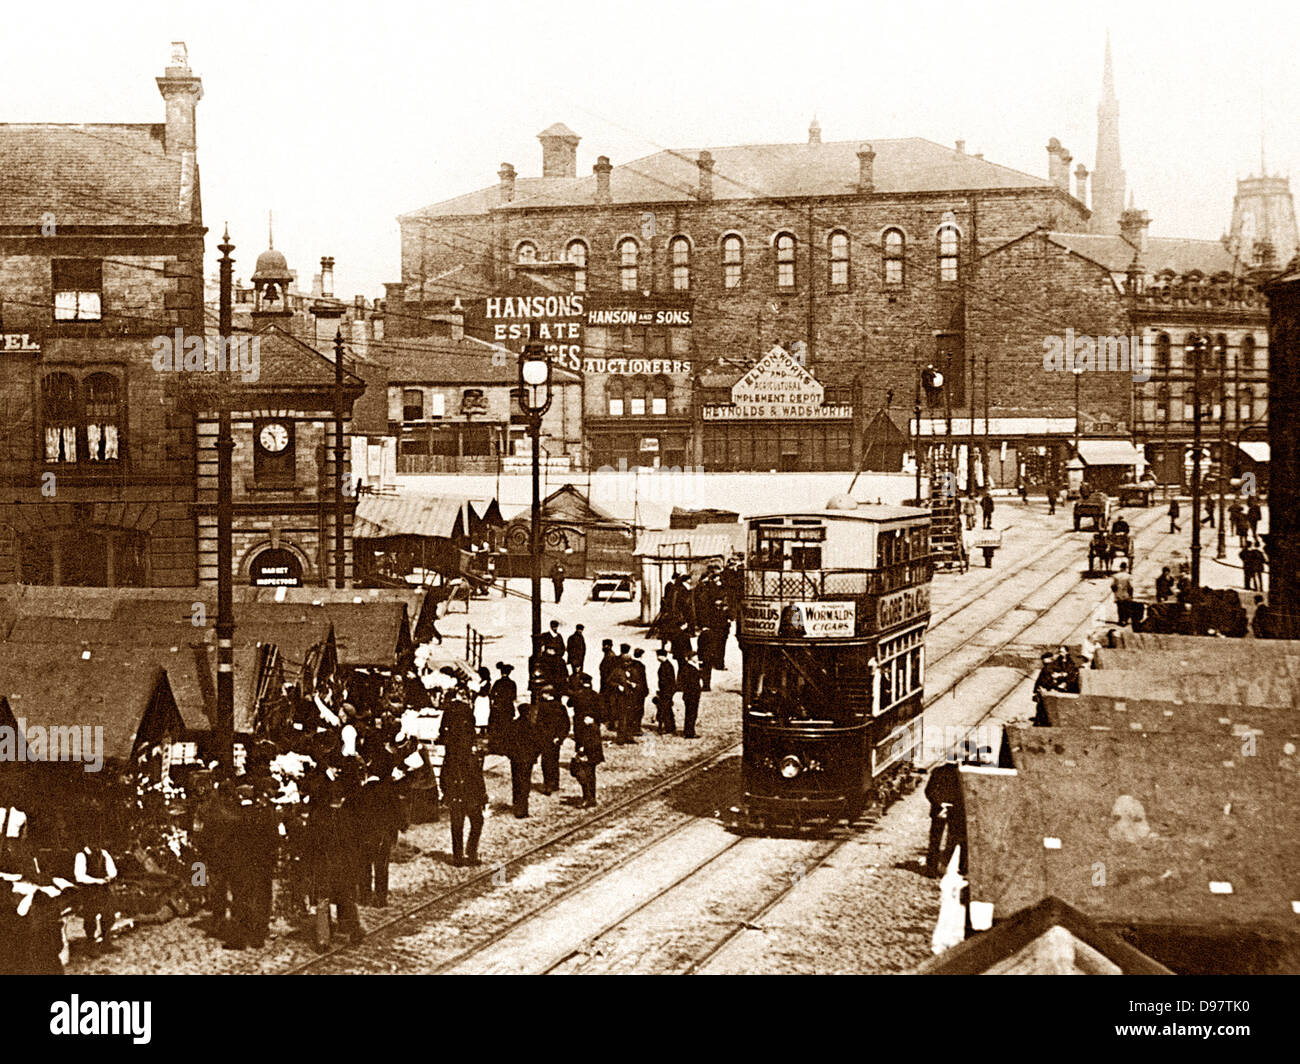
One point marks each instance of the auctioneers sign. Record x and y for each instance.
(777, 387)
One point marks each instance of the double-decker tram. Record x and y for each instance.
(832, 630)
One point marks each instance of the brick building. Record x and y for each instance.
(101, 251)
(854, 257)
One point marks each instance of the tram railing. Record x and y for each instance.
(811, 584)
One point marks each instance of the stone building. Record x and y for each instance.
(101, 253)
(854, 257)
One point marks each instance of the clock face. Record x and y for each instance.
(274, 437)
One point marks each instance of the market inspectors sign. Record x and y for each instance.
(811, 620)
(777, 387)
(902, 606)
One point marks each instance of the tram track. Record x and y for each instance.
(344, 958)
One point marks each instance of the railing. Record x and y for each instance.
(473, 646)
(812, 584)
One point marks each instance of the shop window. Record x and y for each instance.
(679, 251)
(733, 251)
(576, 253)
(893, 257)
(78, 289)
(839, 249)
(629, 254)
(785, 259)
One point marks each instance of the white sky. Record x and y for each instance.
(341, 116)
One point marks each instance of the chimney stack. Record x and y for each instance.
(327, 277)
(705, 163)
(507, 176)
(1058, 172)
(1133, 227)
(601, 170)
(182, 91)
(866, 169)
(1081, 184)
(559, 151)
(815, 132)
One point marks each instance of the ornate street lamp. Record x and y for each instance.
(534, 401)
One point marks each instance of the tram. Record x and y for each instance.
(832, 631)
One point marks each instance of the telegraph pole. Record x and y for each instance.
(225, 723)
(1197, 346)
(1221, 550)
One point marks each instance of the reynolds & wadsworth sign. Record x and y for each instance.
(777, 387)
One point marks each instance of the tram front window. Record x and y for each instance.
(809, 684)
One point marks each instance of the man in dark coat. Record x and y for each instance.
(1174, 511)
(501, 708)
(381, 819)
(947, 818)
(608, 662)
(552, 730)
(681, 642)
(588, 749)
(1253, 515)
(664, 696)
(688, 682)
(576, 650)
(622, 684)
(986, 506)
(462, 781)
(640, 691)
(557, 580)
(706, 652)
(522, 749)
(551, 655)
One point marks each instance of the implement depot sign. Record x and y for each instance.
(777, 388)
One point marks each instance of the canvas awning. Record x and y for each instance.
(435, 516)
(1110, 453)
(1257, 450)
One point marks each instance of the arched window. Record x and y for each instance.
(1245, 405)
(614, 390)
(948, 252)
(61, 412)
(526, 252)
(785, 252)
(661, 387)
(103, 416)
(733, 252)
(839, 249)
(894, 249)
(679, 252)
(629, 254)
(1246, 360)
(636, 397)
(1162, 403)
(1162, 353)
(576, 253)
(1218, 353)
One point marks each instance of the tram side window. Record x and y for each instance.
(805, 557)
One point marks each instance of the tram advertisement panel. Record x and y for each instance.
(814, 620)
(901, 606)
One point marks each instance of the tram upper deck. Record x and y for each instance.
(836, 573)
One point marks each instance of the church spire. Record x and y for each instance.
(1108, 173)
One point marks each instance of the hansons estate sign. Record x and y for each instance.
(777, 388)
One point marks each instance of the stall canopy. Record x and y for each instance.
(663, 552)
(1110, 453)
(432, 516)
(1256, 450)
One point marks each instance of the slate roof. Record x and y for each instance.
(1139, 829)
(95, 175)
(1144, 715)
(1009, 940)
(447, 361)
(1179, 254)
(756, 171)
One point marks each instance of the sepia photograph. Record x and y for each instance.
(694, 489)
